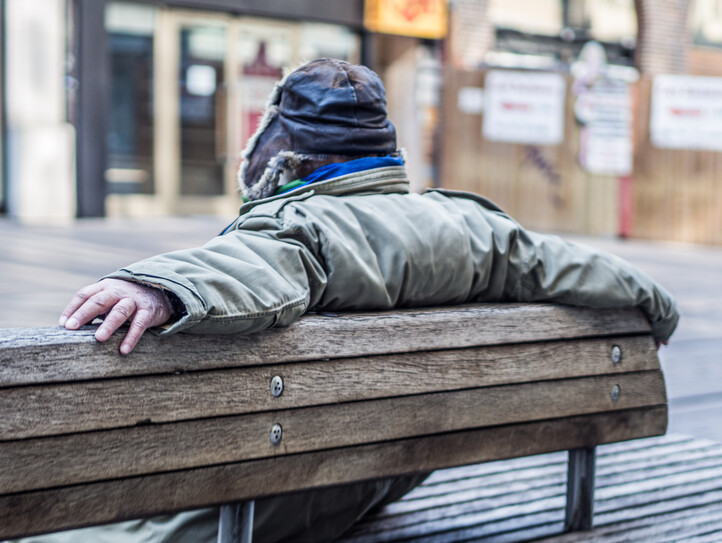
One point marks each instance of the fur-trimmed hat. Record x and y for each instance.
(324, 107)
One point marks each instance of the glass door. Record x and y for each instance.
(197, 120)
(188, 89)
(168, 140)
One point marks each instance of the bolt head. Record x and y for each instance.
(616, 392)
(276, 434)
(276, 386)
(616, 354)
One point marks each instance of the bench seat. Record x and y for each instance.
(88, 436)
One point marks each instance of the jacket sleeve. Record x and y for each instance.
(245, 280)
(540, 267)
(523, 266)
(551, 269)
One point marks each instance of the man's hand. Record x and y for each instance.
(119, 301)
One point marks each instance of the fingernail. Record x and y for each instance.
(62, 320)
(72, 323)
(124, 349)
(101, 334)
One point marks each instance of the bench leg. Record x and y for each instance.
(235, 524)
(580, 489)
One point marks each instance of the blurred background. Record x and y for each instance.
(582, 116)
(599, 119)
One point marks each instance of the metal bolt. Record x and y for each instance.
(276, 386)
(276, 434)
(616, 354)
(616, 391)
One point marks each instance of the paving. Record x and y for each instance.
(41, 267)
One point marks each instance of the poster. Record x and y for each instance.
(686, 112)
(524, 107)
(603, 108)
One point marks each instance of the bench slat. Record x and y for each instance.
(44, 355)
(68, 408)
(41, 463)
(50, 510)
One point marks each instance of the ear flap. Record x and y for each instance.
(268, 181)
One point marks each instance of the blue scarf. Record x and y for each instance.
(338, 169)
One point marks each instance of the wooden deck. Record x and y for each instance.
(666, 489)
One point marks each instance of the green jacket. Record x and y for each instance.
(362, 242)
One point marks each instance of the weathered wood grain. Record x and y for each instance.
(69, 507)
(64, 408)
(40, 463)
(43, 355)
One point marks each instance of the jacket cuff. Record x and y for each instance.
(662, 329)
(191, 308)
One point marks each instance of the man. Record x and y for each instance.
(329, 225)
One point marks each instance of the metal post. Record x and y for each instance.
(580, 489)
(235, 524)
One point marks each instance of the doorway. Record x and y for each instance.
(187, 90)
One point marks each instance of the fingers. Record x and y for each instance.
(92, 305)
(140, 323)
(123, 310)
(77, 301)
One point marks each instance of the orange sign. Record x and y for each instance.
(418, 18)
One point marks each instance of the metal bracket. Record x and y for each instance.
(580, 489)
(235, 524)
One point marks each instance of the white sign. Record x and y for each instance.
(686, 112)
(605, 109)
(524, 107)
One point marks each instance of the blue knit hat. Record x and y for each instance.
(324, 107)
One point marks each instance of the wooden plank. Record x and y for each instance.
(462, 509)
(636, 529)
(639, 454)
(42, 355)
(48, 410)
(40, 463)
(42, 511)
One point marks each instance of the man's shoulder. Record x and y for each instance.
(463, 195)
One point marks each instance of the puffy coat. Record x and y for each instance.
(362, 242)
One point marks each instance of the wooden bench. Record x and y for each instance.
(88, 436)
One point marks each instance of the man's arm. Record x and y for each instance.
(548, 268)
(241, 282)
(519, 265)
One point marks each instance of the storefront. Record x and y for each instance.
(142, 107)
(169, 93)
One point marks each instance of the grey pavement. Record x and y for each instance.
(41, 267)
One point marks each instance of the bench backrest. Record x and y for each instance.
(88, 436)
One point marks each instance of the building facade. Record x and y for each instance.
(141, 107)
(629, 88)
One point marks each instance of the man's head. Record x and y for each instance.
(324, 108)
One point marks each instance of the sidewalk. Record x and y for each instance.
(42, 267)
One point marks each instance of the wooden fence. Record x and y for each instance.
(674, 194)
